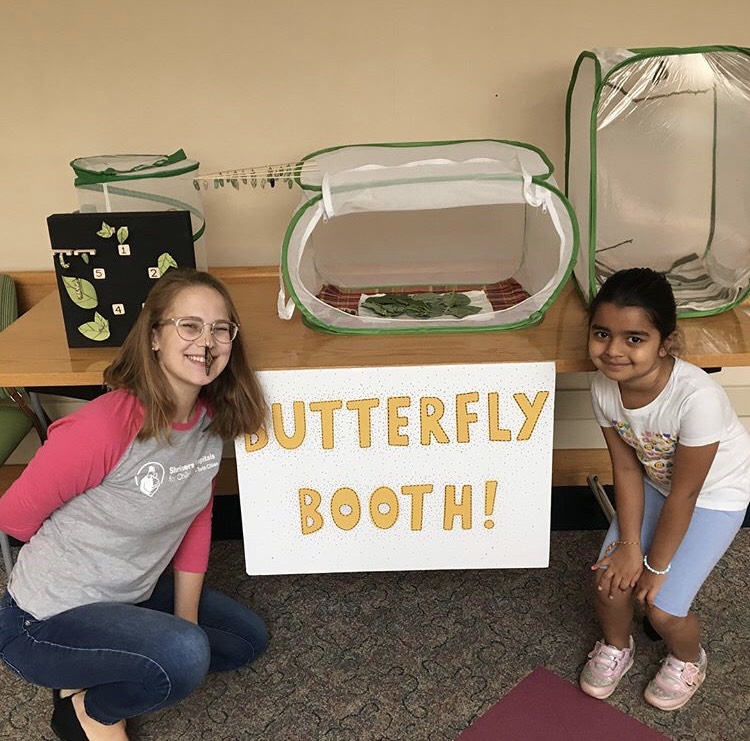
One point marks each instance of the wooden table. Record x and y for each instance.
(34, 350)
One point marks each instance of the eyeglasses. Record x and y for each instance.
(190, 328)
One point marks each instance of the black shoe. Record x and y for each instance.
(65, 723)
(56, 697)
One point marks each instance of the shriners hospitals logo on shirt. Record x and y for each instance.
(149, 478)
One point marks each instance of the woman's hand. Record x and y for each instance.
(648, 587)
(623, 570)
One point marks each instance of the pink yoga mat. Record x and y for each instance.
(543, 707)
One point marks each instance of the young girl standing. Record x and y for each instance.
(681, 464)
(121, 489)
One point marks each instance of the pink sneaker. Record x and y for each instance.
(675, 682)
(605, 668)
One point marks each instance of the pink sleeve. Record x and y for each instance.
(81, 449)
(192, 555)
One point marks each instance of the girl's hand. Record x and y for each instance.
(623, 570)
(648, 587)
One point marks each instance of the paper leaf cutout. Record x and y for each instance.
(81, 292)
(106, 231)
(122, 235)
(97, 330)
(165, 262)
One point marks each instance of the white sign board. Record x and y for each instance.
(398, 468)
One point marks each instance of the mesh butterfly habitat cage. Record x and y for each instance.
(422, 237)
(142, 182)
(658, 169)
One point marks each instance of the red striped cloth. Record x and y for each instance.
(501, 295)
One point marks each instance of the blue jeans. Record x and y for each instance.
(133, 659)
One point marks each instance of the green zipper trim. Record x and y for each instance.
(659, 51)
(593, 179)
(591, 225)
(533, 319)
(91, 177)
(197, 235)
(714, 148)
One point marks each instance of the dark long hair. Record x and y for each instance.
(642, 287)
(235, 396)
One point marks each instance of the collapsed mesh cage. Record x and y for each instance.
(142, 182)
(658, 169)
(479, 217)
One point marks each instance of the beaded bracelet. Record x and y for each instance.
(650, 568)
(611, 547)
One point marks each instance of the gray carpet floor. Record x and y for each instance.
(418, 656)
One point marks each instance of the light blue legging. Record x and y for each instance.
(710, 533)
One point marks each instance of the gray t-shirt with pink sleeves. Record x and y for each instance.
(112, 540)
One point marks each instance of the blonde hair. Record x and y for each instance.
(234, 397)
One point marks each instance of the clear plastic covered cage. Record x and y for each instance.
(658, 169)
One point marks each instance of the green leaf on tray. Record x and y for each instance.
(81, 292)
(97, 330)
(421, 305)
(122, 235)
(462, 311)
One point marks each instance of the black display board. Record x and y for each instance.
(107, 262)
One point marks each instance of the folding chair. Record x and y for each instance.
(19, 410)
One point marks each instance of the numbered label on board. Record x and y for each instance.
(106, 264)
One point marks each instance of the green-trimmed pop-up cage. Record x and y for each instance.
(658, 169)
(142, 182)
(480, 217)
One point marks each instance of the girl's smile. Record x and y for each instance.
(626, 347)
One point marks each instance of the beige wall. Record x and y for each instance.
(244, 82)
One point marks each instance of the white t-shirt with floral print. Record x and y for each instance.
(693, 410)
